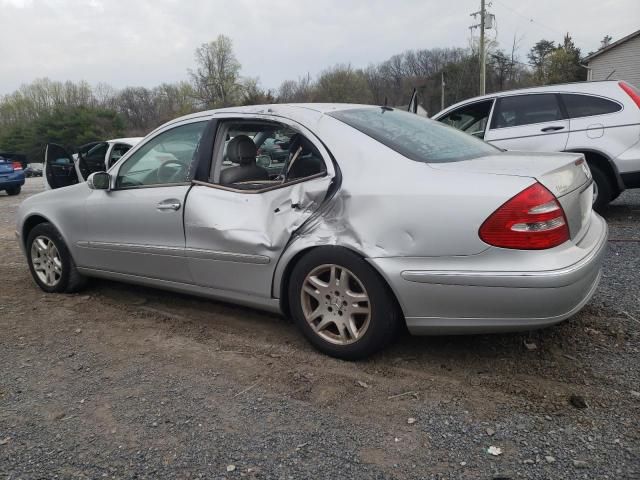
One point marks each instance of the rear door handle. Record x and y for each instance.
(171, 204)
(552, 129)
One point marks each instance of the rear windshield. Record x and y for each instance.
(415, 137)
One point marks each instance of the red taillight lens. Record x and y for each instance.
(17, 165)
(632, 92)
(532, 220)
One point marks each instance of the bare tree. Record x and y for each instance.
(216, 79)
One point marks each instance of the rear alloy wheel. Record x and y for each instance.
(602, 191)
(341, 304)
(50, 262)
(13, 190)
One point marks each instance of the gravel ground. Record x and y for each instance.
(128, 382)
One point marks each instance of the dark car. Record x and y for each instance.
(11, 176)
(277, 149)
(33, 170)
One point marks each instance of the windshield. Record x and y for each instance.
(415, 137)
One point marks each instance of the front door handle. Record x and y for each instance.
(552, 129)
(171, 204)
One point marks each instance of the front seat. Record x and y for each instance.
(243, 151)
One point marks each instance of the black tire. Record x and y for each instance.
(605, 189)
(70, 280)
(384, 313)
(13, 190)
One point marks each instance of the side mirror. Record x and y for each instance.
(99, 181)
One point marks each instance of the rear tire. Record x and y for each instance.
(604, 189)
(50, 262)
(13, 190)
(341, 304)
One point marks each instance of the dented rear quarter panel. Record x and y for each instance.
(390, 206)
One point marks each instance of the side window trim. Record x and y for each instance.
(129, 155)
(494, 101)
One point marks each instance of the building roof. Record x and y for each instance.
(611, 45)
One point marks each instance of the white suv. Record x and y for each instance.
(599, 119)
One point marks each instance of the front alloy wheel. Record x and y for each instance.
(50, 262)
(46, 261)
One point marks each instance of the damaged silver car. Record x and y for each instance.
(374, 218)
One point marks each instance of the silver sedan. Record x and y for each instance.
(374, 218)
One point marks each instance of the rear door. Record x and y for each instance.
(531, 122)
(59, 167)
(236, 232)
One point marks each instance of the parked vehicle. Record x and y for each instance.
(33, 170)
(11, 176)
(598, 119)
(455, 237)
(63, 169)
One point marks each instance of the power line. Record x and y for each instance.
(532, 20)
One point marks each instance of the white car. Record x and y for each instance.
(62, 169)
(598, 119)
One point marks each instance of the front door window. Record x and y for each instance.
(165, 159)
(471, 119)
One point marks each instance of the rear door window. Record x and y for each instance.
(520, 110)
(586, 105)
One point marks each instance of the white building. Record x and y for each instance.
(617, 61)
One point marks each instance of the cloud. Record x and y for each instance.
(147, 42)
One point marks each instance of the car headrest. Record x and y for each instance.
(242, 150)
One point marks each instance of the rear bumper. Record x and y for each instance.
(483, 293)
(11, 183)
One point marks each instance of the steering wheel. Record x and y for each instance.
(169, 175)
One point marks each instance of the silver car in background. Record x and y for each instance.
(376, 218)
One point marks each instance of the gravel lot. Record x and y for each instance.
(128, 382)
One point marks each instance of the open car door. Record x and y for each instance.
(92, 158)
(59, 168)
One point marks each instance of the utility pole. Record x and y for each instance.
(483, 63)
(484, 18)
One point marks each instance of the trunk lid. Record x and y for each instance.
(566, 175)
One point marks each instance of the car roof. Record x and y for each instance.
(130, 140)
(590, 87)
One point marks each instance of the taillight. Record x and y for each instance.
(532, 220)
(632, 92)
(17, 165)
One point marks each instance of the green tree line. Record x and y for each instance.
(73, 113)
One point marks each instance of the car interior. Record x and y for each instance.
(242, 162)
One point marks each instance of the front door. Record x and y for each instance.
(59, 167)
(532, 122)
(137, 228)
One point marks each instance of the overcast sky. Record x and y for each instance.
(147, 42)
